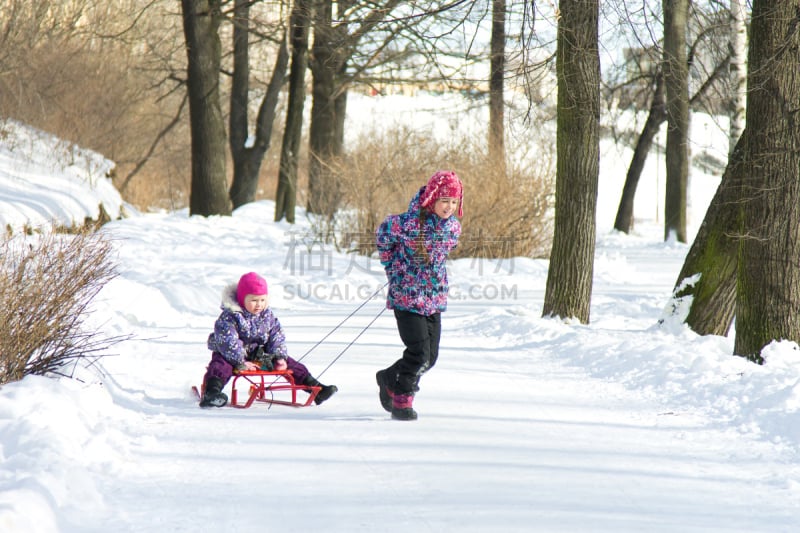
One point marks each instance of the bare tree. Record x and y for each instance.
(201, 20)
(368, 43)
(707, 64)
(676, 82)
(656, 117)
(286, 195)
(330, 52)
(768, 287)
(569, 277)
(334, 45)
(708, 276)
(247, 158)
(496, 85)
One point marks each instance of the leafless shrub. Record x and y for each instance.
(506, 214)
(47, 281)
(379, 176)
(509, 214)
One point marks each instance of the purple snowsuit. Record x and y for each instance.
(238, 332)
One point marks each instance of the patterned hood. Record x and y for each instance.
(417, 283)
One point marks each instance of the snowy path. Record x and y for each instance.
(507, 438)
(525, 424)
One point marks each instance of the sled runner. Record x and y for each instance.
(271, 387)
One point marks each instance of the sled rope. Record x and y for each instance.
(331, 332)
(351, 342)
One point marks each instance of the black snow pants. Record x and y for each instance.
(421, 335)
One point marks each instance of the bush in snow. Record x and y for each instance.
(507, 213)
(47, 282)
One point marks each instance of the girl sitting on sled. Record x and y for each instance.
(248, 336)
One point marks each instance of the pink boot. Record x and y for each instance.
(402, 407)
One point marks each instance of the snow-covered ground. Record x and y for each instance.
(45, 180)
(526, 424)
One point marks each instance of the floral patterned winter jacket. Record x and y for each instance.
(414, 284)
(237, 331)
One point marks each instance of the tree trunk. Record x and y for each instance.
(657, 115)
(247, 160)
(676, 82)
(333, 47)
(209, 195)
(738, 70)
(768, 288)
(323, 187)
(240, 87)
(496, 83)
(340, 114)
(708, 275)
(569, 277)
(286, 194)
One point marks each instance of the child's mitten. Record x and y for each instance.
(279, 363)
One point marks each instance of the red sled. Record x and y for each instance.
(270, 387)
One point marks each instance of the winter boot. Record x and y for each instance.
(325, 391)
(384, 393)
(402, 407)
(213, 395)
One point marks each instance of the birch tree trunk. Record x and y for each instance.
(738, 71)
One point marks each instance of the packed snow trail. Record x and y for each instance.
(526, 424)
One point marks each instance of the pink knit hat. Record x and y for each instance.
(443, 184)
(250, 283)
